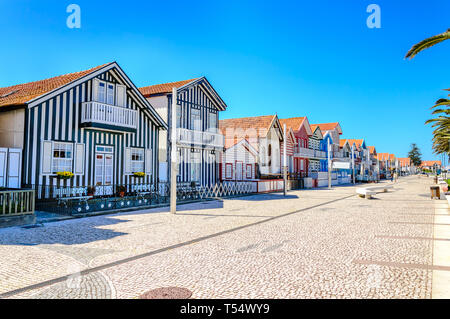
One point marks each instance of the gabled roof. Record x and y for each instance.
(316, 128)
(343, 143)
(296, 123)
(358, 143)
(32, 93)
(404, 161)
(250, 128)
(150, 90)
(372, 150)
(290, 133)
(259, 124)
(329, 127)
(21, 94)
(383, 156)
(430, 163)
(166, 88)
(230, 143)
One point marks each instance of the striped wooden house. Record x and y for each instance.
(239, 161)
(265, 134)
(317, 144)
(95, 124)
(302, 130)
(199, 142)
(291, 142)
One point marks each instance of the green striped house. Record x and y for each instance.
(95, 124)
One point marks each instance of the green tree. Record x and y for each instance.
(441, 125)
(427, 43)
(415, 155)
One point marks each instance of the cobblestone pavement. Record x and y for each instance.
(314, 244)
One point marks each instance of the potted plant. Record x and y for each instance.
(139, 174)
(91, 191)
(121, 191)
(64, 175)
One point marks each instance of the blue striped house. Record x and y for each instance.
(95, 124)
(199, 143)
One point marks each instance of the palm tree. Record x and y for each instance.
(427, 43)
(441, 125)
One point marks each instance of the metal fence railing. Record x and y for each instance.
(17, 202)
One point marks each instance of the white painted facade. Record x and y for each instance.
(239, 162)
(270, 153)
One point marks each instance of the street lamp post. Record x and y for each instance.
(173, 155)
(285, 161)
(353, 163)
(329, 162)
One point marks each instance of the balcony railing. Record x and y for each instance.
(95, 112)
(192, 137)
(309, 153)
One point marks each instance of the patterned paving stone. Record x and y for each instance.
(306, 246)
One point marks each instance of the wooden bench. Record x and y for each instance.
(364, 192)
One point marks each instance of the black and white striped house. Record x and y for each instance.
(95, 124)
(199, 142)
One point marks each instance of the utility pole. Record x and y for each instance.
(329, 162)
(285, 160)
(173, 155)
(353, 162)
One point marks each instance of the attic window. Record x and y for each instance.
(8, 94)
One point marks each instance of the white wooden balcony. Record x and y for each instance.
(192, 137)
(309, 153)
(105, 114)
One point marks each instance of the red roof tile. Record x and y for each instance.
(404, 161)
(294, 122)
(163, 88)
(250, 128)
(430, 163)
(22, 93)
(327, 126)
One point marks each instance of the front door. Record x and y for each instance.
(104, 172)
(239, 169)
(104, 168)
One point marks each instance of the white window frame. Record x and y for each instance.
(124, 97)
(228, 173)
(113, 94)
(193, 123)
(97, 83)
(53, 171)
(211, 115)
(133, 162)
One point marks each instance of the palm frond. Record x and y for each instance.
(427, 43)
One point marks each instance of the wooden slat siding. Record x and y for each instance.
(58, 119)
(195, 95)
(237, 153)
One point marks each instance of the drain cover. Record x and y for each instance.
(167, 293)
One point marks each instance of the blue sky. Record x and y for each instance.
(293, 58)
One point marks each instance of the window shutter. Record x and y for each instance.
(148, 161)
(47, 157)
(95, 90)
(3, 154)
(121, 95)
(127, 161)
(79, 159)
